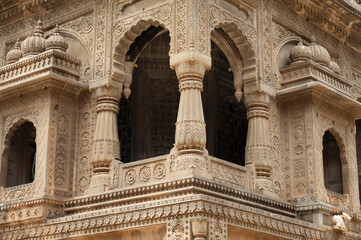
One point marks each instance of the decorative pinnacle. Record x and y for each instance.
(56, 30)
(17, 44)
(300, 43)
(312, 38)
(38, 29)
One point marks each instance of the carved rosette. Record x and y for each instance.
(106, 140)
(258, 147)
(190, 137)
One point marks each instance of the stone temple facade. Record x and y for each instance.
(180, 119)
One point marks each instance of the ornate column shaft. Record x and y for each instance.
(258, 148)
(190, 136)
(106, 140)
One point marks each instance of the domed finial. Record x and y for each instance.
(319, 53)
(300, 53)
(56, 41)
(14, 54)
(334, 67)
(35, 43)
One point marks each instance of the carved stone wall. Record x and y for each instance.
(36, 111)
(84, 135)
(188, 192)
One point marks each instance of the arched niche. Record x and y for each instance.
(19, 156)
(79, 51)
(334, 162)
(283, 53)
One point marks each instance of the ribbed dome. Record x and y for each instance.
(334, 67)
(300, 53)
(319, 53)
(34, 44)
(56, 41)
(14, 54)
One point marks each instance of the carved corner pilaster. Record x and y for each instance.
(199, 229)
(106, 140)
(258, 147)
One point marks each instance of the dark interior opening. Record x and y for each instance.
(146, 121)
(332, 166)
(358, 152)
(226, 118)
(22, 154)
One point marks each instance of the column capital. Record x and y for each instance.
(190, 64)
(256, 98)
(107, 91)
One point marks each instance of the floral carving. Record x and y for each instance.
(144, 174)
(159, 171)
(300, 169)
(130, 176)
(299, 149)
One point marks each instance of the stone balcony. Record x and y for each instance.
(50, 68)
(303, 78)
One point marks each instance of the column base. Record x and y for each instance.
(189, 165)
(100, 182)
(265, 187)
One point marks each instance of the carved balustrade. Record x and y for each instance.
(308, 76)
(309, 71)
(143, 172)
(16, 193)
(229, 173)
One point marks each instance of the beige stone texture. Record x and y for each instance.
(180, 119)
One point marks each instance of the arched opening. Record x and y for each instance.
(358, 152)
(146, 121)
(332, 165)
(226, 118)
(21, 156)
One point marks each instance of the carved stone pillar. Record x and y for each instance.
(199, 229)
(190, 136)
(258, 148)
(106, 140)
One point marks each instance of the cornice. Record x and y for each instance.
(335, 17)
(177, 187)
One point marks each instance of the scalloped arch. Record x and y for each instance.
(129, 36)
(244, 48)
